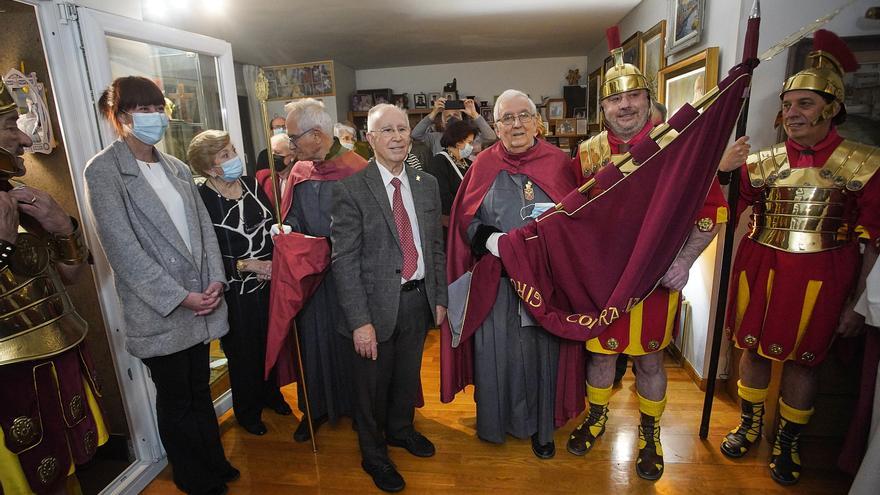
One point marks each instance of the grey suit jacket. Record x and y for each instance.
(152, 267)
(367, 258)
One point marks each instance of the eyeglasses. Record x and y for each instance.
(524, 118)
(293, 139)
(388, 132)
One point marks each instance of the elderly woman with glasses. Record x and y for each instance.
(513, 362)
(242, 219)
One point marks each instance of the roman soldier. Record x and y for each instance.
(814, 201)
(50, 419)
(648, 328)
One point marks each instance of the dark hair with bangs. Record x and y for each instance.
(128, 93)
(457, 132)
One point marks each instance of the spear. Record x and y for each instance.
(262, 93)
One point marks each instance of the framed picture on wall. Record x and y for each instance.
(653, 43)
(361, 102)
(401, 101)
(686, 24)
(688, 80)
(579, 112)
(632, 49)
(301, 80)
(566, 127)
(582, 127)
(555, 108)
(486, 112)
(594, 86)
(382, 96)
(420, 100)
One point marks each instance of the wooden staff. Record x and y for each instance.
(262, 92)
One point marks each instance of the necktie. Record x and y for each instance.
(404, 233)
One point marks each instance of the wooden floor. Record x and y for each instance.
(275, 464)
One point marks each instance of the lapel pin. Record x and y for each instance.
(418, 178)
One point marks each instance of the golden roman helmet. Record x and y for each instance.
(7, 102)
(622, 77)
(829, 61)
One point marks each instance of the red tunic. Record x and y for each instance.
(650, 325)
(786, 306)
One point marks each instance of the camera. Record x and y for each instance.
(454, 105)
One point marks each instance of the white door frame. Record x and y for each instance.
(84, 134)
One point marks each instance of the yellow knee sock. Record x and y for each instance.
(652, 407)
(799, 416)
(753, 395)
(598, 396)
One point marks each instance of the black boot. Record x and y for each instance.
(785, 461)
(584, 436)
(650, 462)
(302, 431)
(740, 439)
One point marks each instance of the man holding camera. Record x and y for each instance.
(450, 109)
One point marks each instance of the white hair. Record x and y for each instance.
(280, 142)
(377, 110)
(339, 128)
(512, 93)
(309, 113)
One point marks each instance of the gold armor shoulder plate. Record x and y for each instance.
(852, 164)
(594, 153)
(765, 165)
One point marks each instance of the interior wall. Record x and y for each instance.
(539, 77)
(50, 173)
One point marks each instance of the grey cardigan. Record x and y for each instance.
(152, 267)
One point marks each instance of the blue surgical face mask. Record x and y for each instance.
(232, 168)
(537, 210)
(149, 128)
(278, 130)
(466, 151)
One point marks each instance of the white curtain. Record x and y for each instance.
(257, 130)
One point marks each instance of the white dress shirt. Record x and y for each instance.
(410, 207)
(168, 195)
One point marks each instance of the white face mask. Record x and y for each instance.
(349, 146)
(466, 151)
(278, 130)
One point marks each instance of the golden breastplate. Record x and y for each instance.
(37, 318)
(804, 210)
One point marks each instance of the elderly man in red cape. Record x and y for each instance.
(648, 328)
(798, 271)
(516, 366)
(305, 207)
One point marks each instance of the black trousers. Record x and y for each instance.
(386, 390)
(245, 348)
(187, 423)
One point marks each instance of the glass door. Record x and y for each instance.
(85, 50)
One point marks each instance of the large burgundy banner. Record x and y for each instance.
(581, 267)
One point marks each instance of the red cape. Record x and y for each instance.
(549, 168)
(301, 261)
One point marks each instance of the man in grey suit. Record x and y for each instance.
(389, 269)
